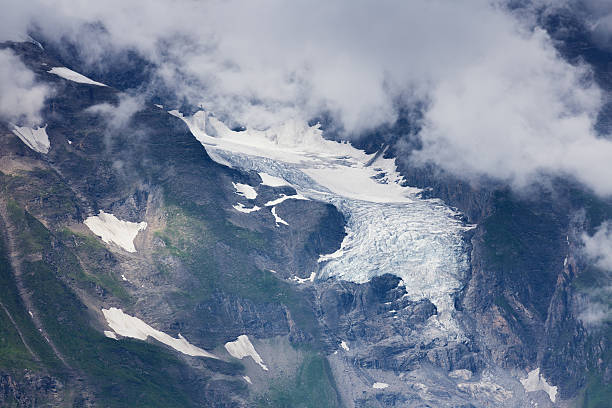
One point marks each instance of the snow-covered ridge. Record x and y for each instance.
(111, 229)
(242, 347)
(390, 228)
(73, 76)
(536, 382)
(130, 326)
(35, 138)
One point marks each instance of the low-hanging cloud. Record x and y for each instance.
(21, 97)
(594, 306)
(500, 102)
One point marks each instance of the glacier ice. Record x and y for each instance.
(390, 228)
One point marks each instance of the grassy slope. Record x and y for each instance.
(312, 387)
(124, 373)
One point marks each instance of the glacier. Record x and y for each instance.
(390, 228)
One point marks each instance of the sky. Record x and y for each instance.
(499, 101)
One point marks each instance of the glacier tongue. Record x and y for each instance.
(390, 229)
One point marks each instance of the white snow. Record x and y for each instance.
(35, 138)
(31, 314)
(344, 345)
(380, 385)
(311, 278)
(245, 190)
(123, 277)
(390, 228)
(242, 347)
(159, 106)
(272, 181)
(73, 76)
(111, 229)
(70, 142)
(110, 334)
(278, 219)
(130, 326)
(284, 197)
(247, 379)
(240, 207)
(536, 382)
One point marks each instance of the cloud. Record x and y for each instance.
(599, 246)
(594, 306)
(21, 98)
(500, 102)
(118, 116)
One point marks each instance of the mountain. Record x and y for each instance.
(160, 258)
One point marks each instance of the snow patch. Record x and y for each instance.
(35, 138)
(311, 278)
(242, 347)
(110, 334)
(130, 326)
(272, 181)
(73, 76)
(380, 385)
(278, 219)
(240, 207)
(111, 229)
(245, 190)
(536, 382)
(247, 379)
(285, 197)
(344, 345)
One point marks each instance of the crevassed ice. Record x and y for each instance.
(390, 229)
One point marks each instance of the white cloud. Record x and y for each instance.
(599, 246)
(501, 102)
(21, 98)
(594, 306)
(119, 115)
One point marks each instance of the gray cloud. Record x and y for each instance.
(21, 98)
(501, 102)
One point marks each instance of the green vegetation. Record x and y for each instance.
(219, 255)
(125, 373)
(313, 386)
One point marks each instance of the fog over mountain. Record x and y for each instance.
(498, 98)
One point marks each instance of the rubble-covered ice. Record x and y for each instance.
(111, 229)
(35, 138)
(242, 347)
(73, 76)
(130, 326)
(390, 229)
